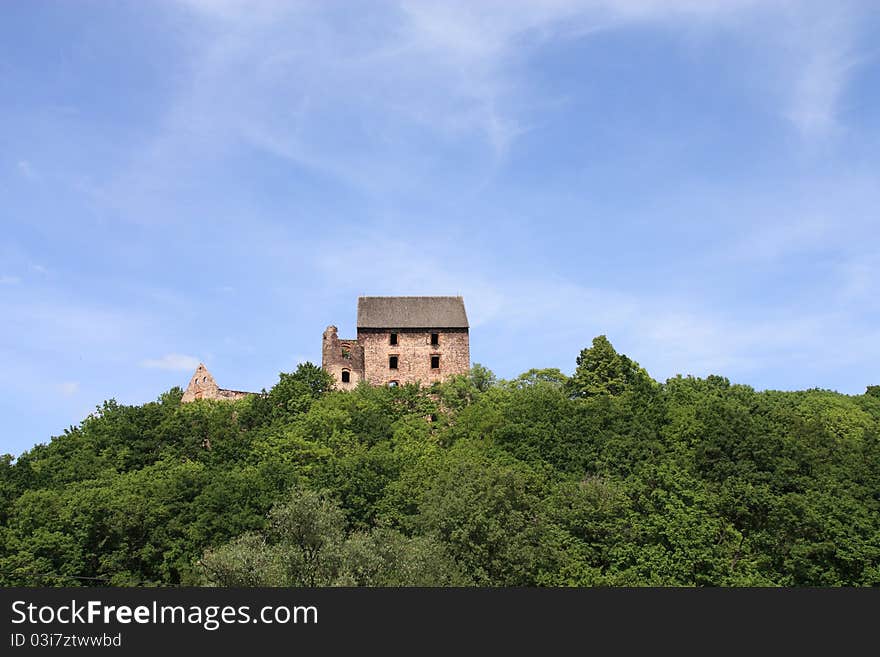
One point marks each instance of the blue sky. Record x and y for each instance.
(218, 181)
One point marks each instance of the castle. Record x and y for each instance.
(399, 340)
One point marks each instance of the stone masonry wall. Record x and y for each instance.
(203, 386)
(231, 395)
(342, 354)
(414, 351)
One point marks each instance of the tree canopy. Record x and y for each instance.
(603, 478)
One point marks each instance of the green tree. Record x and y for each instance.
(385, 557)
(295, 393)
(308, 530)
(306, 545)
(482, 378)
(246, 561)
(607, 478)
(486, 508)
(602, 371)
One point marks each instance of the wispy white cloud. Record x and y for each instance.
(455, 71)
(821, 39)
(831, 214)
(26, 169)
(9, 280)
(174, 362)
(377, 103)
(68, 388)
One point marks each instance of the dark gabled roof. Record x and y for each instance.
(411, 312)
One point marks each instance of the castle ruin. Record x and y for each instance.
(400, 340)
(203, 386)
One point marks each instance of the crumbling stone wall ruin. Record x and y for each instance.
(203, 386)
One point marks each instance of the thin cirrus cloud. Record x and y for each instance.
(365, 103)
(26, 169)
(68, 388)
(452, 67)
(172, 362)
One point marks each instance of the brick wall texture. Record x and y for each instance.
(414, 351)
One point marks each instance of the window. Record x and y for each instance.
(392, 362)
(435, 339)
(435, 362)
(393, 340)
(346, 376)
(346, 351)
(393, 384)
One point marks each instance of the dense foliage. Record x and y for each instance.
(604, 478)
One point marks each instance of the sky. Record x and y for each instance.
(217, 181)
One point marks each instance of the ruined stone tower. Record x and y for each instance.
(400, 340)
(344, 359)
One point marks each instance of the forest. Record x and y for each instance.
(602, 478)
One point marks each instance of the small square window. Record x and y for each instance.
(346, 376)
(435, 339)
(392, 362)
(435, 362)
(393, 339)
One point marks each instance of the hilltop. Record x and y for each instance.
(604, 477)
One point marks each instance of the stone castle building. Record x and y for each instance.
(400, 340)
